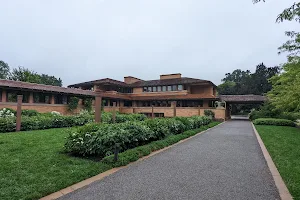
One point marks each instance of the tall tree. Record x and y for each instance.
(285, 93)
(4, 70)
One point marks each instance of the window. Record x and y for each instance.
(174, 87)
(169, 88)
(180, 87)
(149, 89)
(127, 103)
(158, 88)
(154, 89)
(145, 89)
(164, 88)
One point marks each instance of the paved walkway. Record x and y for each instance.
(223, 163)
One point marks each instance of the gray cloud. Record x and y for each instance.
(86, 40)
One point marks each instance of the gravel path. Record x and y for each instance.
(223, 163)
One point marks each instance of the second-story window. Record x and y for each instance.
(154, 89)
(158, 88)
(164, 88)
(149, 89)
(174, 87)
(169, 88)
(180, 87)
(145, 89)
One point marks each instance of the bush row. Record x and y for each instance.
(132, 155)
(269, 111)
(100, 140)
(275, 122)
(48, 120)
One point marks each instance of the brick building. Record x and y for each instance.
(190, 96)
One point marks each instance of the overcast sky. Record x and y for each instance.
(86, 40)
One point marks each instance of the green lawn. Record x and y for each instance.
(32, 164)
(283, 144)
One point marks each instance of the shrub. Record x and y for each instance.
(7, 112)
(269, 111)
(30, 113)
(73, 103)
(100, 139)
(87, 104)
(209, 113)
(275, 122)
(55, 120)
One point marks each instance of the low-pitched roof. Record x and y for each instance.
(41, 87)
(183, 80)
(142, 83)
(100, 81)
(249, 98)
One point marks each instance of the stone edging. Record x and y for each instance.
(282, 189)
(98, 177)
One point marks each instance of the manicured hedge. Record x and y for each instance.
(100, 140)
(275, 122)
(48, 120)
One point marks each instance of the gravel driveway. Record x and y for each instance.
(224, 163)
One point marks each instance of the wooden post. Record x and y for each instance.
(152, 116)
(52, 99)
(174, 108)
(31, 100)
(98, 102)
(4, 96)
(199, 110)
(19, 112)
(114, 112)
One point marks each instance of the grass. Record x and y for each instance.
(33, 164)
(283, 144)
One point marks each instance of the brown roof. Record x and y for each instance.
(183, 80)
(100, 81)
(41, 87)
(250, 98)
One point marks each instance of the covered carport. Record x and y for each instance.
(230, 100)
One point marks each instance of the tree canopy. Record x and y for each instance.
(285, 94)
(26, 75)
(245, 82)
(4, 70)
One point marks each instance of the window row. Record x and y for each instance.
(163, 88)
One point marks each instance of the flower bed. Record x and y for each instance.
(100, 140)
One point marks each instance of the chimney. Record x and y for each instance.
(170, 76)
(130, 79)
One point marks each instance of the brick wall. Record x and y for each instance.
(168, 111)
(42, 108)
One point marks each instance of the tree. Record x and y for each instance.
(245, 82)
(50, 80)
(4, 70)
(26, 75)
(285, 93)
(292, 46)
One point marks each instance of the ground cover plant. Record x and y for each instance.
(34, 164)
(283, 144)
(100, 140)
(275, 122)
